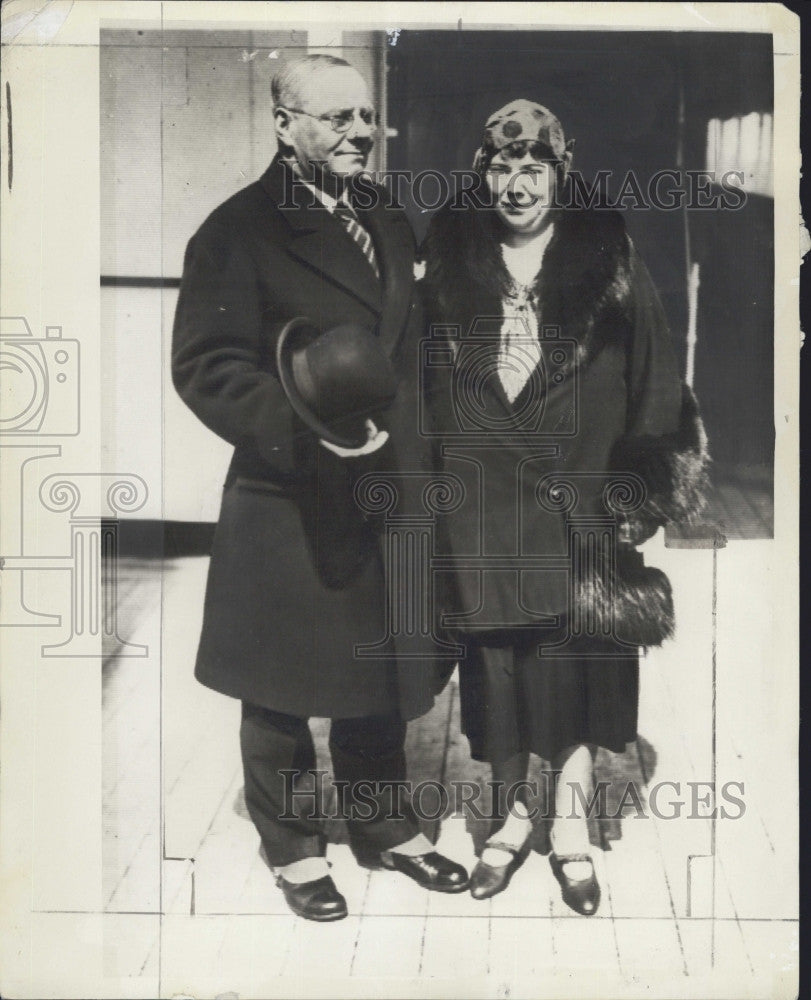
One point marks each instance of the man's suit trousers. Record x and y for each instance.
(286, 802)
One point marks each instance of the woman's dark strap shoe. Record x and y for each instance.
(432, 870)
(489, 880)
(582, 895)
(316, 900)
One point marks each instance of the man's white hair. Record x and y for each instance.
(285, 87)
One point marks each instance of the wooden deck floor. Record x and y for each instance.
(688, 904)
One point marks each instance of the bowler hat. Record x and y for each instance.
(334, 380)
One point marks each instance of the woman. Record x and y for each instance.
(557, 405)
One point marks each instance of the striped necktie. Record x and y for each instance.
(346, 217)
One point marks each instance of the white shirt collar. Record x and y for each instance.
(324, 197)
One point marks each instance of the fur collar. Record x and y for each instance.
(583, 287)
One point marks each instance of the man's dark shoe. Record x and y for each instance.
(316, 900)
(432, 870)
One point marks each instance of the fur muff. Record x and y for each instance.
(631, 600)
(674, 468)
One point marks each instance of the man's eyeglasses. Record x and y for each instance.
(343, 120)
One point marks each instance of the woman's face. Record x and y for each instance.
(523, 191)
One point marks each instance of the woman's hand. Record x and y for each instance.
(375, 440)
(637, 529)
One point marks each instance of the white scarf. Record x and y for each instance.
(520, 351)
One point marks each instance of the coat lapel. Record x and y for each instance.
(394, 246)
(319, 241)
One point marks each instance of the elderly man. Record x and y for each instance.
(296, 582)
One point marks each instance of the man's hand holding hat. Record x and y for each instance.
(375, 441)
(336, 382)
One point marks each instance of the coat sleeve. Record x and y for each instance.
(664, 444)
(219, 363)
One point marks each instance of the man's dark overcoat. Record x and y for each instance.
(296, 579)
(610, 412)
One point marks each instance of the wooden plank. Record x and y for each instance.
(635, 873)
(253, 950)
(714, 950)
(683, 666)
(131, 785)
(456, 949)
(731, 958)
(333, 943)
(675, 743)
(196, 792)
(774, 949)
(129, 940)
(585, 946)
(177, 887)
(131, 815)
(633, 879)
(227, 864)
(678, 838)
(650, 949)
(697, 938)
(388, 948)
(519, 947)
(764, 838)
(189, 954)
(743, 849)
(393, 894)
(120, 677)
(201, 727)
(131, 737)
(139, 886)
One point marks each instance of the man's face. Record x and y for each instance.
(315, 142)
(523, 190)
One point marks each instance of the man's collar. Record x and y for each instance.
(327, 200)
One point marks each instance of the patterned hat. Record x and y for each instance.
(521, 120)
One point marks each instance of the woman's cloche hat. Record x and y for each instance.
(334, 380)
(522, 120)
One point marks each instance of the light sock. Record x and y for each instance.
(517, 827)
(571, 836)
(418, 844)
(304, 870)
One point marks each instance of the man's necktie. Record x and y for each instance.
(358, 234)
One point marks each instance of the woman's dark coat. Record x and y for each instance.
(606, 429)
(296, 579)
